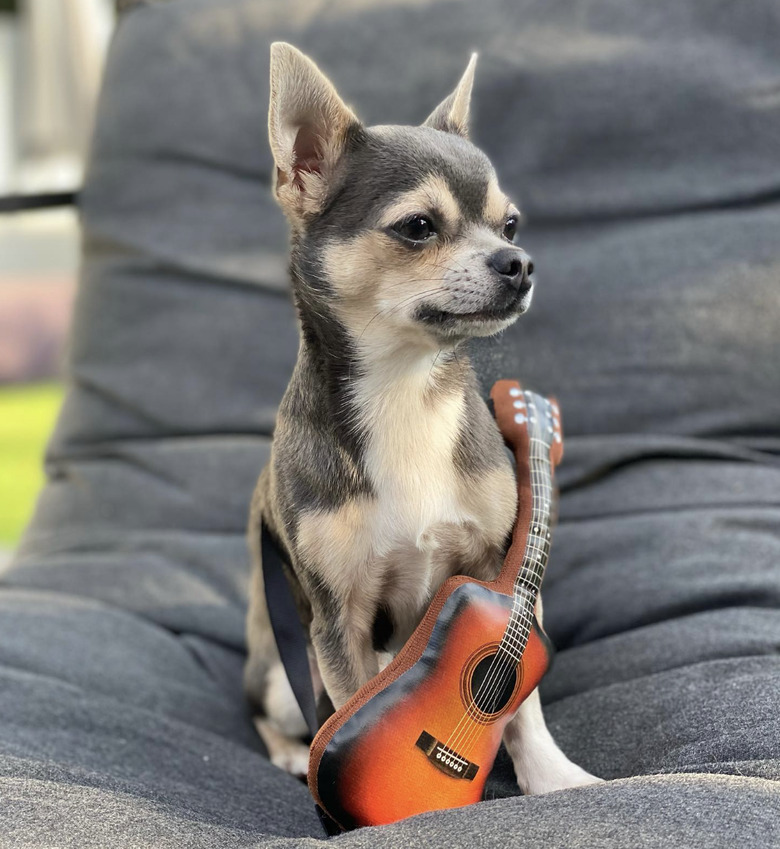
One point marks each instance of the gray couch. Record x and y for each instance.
(642, 140)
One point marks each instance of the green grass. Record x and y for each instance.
(27, 415)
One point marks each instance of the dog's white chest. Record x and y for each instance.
(383, 547)
(409, 460)
(417, 499)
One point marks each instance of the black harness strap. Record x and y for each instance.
(290, 641)
(287, 628)
(24, 203)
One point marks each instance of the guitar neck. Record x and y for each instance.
(530, 573)
(530, 425)
(537, 538)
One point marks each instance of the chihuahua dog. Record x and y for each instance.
(387, 473)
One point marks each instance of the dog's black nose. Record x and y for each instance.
(514, 266)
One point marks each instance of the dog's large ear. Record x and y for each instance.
(308, 127)
(452, 114)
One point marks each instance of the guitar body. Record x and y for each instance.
(423, 734)
(425, 741)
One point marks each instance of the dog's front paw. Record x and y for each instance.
(560, 775)
(289, 754)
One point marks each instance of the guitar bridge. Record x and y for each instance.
(446, 759)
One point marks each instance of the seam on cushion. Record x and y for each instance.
(99, 245)
(683, 771)
(659, 447)
(95, 781)
(177, 638)
(627, 216)
(181, 815)
(11, 673)
(177, 156)
(235, 647)
(98, 605)
(123, 6)
(672, 508)
(105, 539)
(650, 675)
(75, 451)
(702, 767)
(8, 586)
(687, 614)
(725, 602)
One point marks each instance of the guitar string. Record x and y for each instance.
(489, 680)
(505, 669)
(502, 670)
(523, 603)
(532, 565)
(526, 590)
(522, 616)
(529, 577)
(528, 597)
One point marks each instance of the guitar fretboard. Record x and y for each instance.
(541, 419)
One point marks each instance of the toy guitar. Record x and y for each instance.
(424, 733)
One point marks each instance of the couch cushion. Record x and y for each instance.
(641, 142)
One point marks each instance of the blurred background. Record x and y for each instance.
(51, 58)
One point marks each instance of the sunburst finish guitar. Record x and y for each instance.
(424, 733)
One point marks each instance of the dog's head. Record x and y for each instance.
(400, 232)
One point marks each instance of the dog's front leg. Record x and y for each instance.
(540, 766)
(345, 655)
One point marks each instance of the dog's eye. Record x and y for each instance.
(510, 228)
(419, 228)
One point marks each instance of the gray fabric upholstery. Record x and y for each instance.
(642, 142)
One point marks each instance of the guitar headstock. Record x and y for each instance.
(527, 419)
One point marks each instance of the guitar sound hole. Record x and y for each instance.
(492, 683)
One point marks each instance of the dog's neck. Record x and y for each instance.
(383, 390)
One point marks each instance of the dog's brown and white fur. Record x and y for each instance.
(387, 473)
